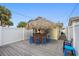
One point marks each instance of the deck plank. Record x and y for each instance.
(23, 48)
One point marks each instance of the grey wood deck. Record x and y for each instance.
(23, 48)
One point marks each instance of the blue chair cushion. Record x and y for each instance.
(68, 47)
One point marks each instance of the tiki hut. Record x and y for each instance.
(43, 27)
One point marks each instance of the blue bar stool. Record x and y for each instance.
(44, 40)
(31, 40)
(38, 41)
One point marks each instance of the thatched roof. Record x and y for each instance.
(41, 23)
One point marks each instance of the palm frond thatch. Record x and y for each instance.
(40, 23)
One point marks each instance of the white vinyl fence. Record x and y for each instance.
(0, 36)
(10, 35)
(73, 33)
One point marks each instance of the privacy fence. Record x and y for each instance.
(10, 35)
(73, 34)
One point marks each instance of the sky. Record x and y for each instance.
(55, 12)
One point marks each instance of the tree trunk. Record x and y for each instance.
(0, 22)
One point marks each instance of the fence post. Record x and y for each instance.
(23, 33)
(74, 37)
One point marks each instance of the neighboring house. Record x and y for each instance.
(40, 24)
(69, 30)
(73, 21)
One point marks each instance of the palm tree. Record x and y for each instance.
(21, 24)
(9, 23)
(5, 15)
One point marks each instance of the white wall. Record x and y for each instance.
(10, 35)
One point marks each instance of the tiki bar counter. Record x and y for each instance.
(40, 36)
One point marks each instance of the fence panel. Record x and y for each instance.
(73, 33)
(0, 35)
(10, 35)
(76, 40)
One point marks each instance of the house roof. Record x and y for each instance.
(73, 19)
